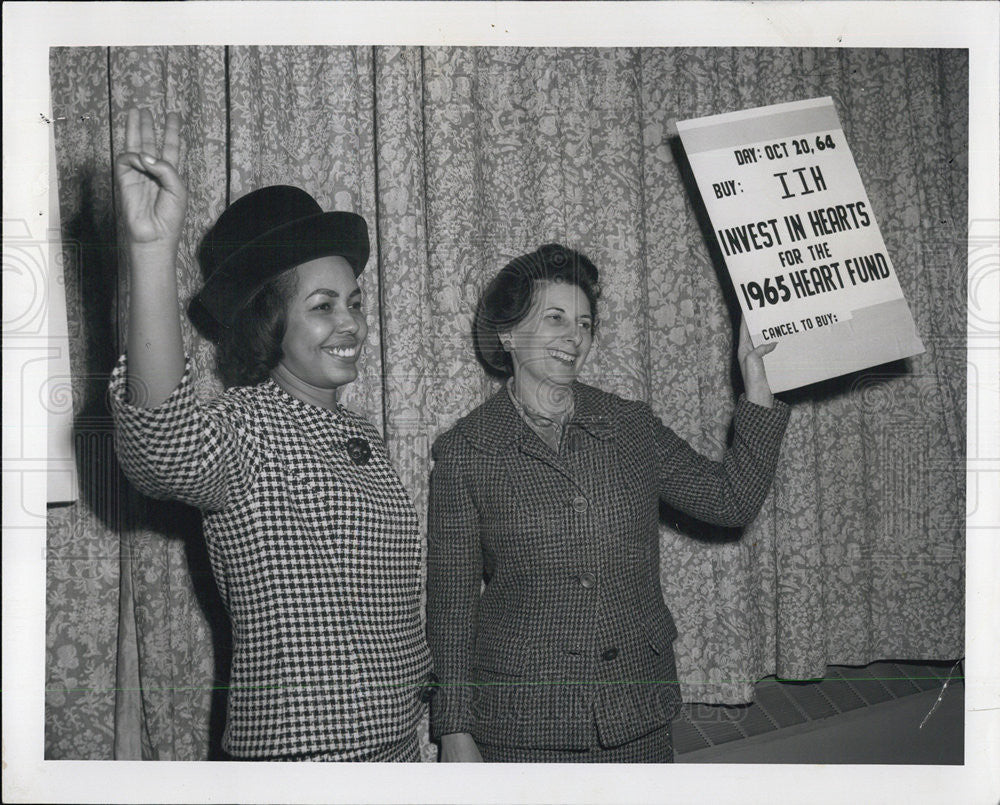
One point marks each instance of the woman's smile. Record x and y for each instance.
(345, 352)
(563, 357)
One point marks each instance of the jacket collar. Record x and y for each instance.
(596, 411)
(496, 424)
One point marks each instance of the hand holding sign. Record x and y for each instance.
(751, 362)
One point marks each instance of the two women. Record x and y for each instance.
(313, 541)
(549, 493)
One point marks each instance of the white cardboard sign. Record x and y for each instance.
(804, 251)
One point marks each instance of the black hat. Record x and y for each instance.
(262, 235)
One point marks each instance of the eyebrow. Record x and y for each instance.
(334, 294)
(563, 310)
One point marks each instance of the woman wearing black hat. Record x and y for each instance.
(313, 539)
(550, 491)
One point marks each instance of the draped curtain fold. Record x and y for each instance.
(461, 158)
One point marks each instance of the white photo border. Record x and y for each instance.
(30, 29)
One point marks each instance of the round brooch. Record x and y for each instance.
(359, 450)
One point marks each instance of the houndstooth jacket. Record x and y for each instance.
(570, 630)
(316, 557)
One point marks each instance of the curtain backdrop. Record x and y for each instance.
(461, 158)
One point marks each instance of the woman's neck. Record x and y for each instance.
(551, 400)
(301, 390)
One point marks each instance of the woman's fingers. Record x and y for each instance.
(147, 132)
(140, 136)
(149, 167)
(172, 139)
(164, 173)
(133, 140)
(743, 345)
(763, 349)
(746, 349)
(153, 195)
(128, 161)
(752, 364)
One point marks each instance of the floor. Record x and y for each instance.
(885, 713)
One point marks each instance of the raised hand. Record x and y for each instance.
(751, 360)
(152, 200)
(152, 194)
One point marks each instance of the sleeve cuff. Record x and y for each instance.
(450, 710)
(778, 408)
(447, 726)
(765, 423)
(118, 391)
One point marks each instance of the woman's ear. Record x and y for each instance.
(505, 341)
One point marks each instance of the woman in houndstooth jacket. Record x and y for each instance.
(550, 492)
(313, 540)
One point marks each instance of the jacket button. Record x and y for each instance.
(580, 503)
(609, 654)
(588, 580)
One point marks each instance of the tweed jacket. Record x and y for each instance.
(570, 629)
(317, 559)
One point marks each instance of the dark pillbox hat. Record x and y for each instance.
(261, 235)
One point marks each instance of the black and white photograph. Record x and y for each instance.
(536, 383)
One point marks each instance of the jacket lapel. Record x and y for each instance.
(532, 446)
(592, 411)
(497, 427)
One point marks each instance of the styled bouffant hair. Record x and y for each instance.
(507, 299)
(246, 353)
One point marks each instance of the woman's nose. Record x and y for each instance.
(346, 322)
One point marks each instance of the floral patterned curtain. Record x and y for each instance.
(461, 158)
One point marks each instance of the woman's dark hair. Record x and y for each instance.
(246, 353)
(507, 299)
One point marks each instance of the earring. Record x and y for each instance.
(507, 345)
